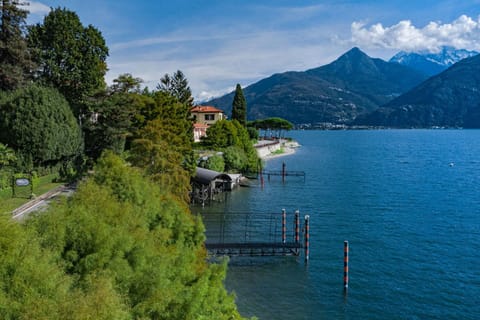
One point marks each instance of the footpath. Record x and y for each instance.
(40, 201)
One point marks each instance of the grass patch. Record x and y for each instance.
(279, 151)
(8, 204)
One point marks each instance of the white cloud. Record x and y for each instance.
(37, 8)
(462, 33)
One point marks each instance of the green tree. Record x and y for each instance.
(239, 106)
(33, 284)
(123, 234)
(232, 137)
(7, 155)
(214, 162)
(177, 86)
(273, 124)
(126, 83)
(221, 134)
(15, 61)
(38, 123)
(159, 152)
(113, 116)
(71, 57)
(109, 124)
(234, 158)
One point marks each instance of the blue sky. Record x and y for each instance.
(219, 43)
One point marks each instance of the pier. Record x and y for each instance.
(282, 173)
(256, 234)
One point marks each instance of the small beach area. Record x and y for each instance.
(287, 147)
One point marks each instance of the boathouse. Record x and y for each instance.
(206, 184)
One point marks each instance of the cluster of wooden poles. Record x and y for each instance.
(297, 231)
(307, 241)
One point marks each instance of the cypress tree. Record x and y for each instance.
(239, 106)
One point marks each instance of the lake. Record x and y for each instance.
(408, 202)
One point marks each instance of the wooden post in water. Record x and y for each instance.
(284, 226)
(283, 171)
(297, 226)
(307, 238)
(345, 265)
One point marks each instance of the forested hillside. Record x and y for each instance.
(352, 85)
(449, 99)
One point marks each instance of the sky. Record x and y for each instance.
(219, 43)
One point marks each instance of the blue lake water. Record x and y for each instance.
(408, 202)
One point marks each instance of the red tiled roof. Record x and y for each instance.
(203, 109)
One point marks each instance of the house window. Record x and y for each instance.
(209, 117)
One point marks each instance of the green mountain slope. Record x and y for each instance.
(352, 85)
(450, 99)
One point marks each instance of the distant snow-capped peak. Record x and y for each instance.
(445, 57)
(432, 63)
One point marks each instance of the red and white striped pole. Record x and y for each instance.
(297, 226)
(345, 265)
(307, 237)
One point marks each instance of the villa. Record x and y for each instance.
(204, 116)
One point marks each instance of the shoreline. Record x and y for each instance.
(288, 147)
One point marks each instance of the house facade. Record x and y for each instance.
(204, 116)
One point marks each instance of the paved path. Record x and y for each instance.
(40, 201)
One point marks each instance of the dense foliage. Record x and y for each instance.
(120, 248)
(125, 245)
(110, 124)
(15, 60)
(7, 155)
(233, 138)
(7, 159)
(163, 143)
(215, 162)
(37, 122)
(71, 57)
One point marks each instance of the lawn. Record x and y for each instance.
(8, 203)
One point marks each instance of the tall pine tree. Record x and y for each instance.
(177, 86)
(15, 61)
(239, 106)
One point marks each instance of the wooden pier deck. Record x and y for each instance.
(255, 249)
(253, 234)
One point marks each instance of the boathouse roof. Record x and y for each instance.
(205, 176)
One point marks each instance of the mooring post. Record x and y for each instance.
(283, 171)
(345, 265)
(307, 238)
(284, 225)
(297, 226)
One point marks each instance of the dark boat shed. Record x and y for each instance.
(208, 183)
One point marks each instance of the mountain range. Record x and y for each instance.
(358, 89)
(432, 63)
(449, 99)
